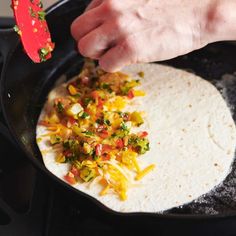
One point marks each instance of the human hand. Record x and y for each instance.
(119, 33)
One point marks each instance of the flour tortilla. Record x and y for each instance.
(192, 138)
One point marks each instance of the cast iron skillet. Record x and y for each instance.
(25, 85)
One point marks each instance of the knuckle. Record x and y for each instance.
(129, 46)
(111, 5)
(119, 22)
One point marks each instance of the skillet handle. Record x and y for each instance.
(8, 41)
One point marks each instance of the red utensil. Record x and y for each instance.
(33, 29)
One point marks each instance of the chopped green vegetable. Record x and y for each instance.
(88, 133)
(87, 101)
(40, 4)
(106, 86)
(41, 15)
(99, 121)
(124, 127)
(107, 122)
(17, 30)
(55, 139)
(128, 86)
(70, 144)
(84, 115)
(87, 149)
(125, 90)
(32, 13)
(77, 164)
(60, 107)
(140, 144)
(87, 174)
(43, 52)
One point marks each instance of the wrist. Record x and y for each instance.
(220, 21)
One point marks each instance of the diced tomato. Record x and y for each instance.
(143, 134)
(71, 121)
(64, 122)
(100, 103)
(87, 110)
(95, 94)
(106, 148)
(68, 153)
(119, 143)
(98, 114)
(103, 134)
(130, 94)
(106, 157)
(98, 149)
(70, 178)
(74, 171)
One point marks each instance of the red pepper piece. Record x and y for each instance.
(130, 94)
(103, 134)
(106, 157)
(70, 178)
(119, 143)
(74, 171)
(143, 134)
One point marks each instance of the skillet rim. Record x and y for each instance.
(41, 167)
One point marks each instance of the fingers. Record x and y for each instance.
(95, 43)
(87, 22)
(100, 40)
(119, 56)
(93, 4)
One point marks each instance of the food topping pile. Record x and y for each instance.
(90, 130)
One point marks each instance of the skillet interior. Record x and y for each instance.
(26, 86)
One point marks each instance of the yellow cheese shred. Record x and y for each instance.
(105, 190)
(144, 172)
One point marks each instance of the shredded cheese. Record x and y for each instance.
(144, 172)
